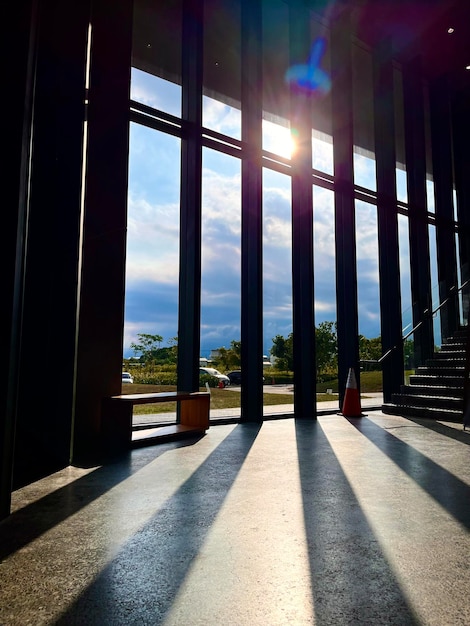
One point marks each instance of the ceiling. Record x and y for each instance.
(414, 27)
(421, 27)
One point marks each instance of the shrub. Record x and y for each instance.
(207, 378)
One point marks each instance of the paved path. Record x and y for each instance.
(369, 400)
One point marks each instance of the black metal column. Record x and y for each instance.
(101, 313)
(389, 264)
(302, 225)
(418, 226)
(252, 231)
(441, 138)
(189, 315)
(345, 223)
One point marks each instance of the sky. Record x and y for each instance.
(152, 265)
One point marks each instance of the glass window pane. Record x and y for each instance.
(276, 100)
(430, 195)
(462, 317)
(324, 254)
(222, 67)
(367, 269)
(156, 55)
(322, 152)
(405, 276)
(454, 199)
(434, 283)
(221, 262)
(152, 256)
(277, 139)
(363, 118)
(156, 92)
(364, 171)
(402, 190)
(221, 117)
(324, 276)
(277, 281)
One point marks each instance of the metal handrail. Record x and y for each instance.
(466, 381)
(453, 291)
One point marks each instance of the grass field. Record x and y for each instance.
(227, 399)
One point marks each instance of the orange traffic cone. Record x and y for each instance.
(352, 401)
(221, 384)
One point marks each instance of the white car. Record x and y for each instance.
(127, 378)
(210, 371)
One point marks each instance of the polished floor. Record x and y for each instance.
(362, 521)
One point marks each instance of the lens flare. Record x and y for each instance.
(310, 77)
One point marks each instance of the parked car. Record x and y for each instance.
(210, 371)
(236, 377)
(127, 378)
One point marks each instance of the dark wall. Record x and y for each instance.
(46, 371)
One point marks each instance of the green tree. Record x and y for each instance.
(147, 347)
(326, 349)
(229, 359)
(409, 353)
(173, 347)
(326, 346)
(370, 349)
(282, 349)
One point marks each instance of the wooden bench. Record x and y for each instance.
(116, 418)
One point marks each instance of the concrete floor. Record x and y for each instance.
(362, 521)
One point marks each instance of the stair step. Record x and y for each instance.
(455, 339)
(433, 390)
(441, 371)
(433, 380)
(449, 363)
(449, 354)
(453, 342)
(437, 402)
(422, 412)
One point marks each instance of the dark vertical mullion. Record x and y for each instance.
(189, 315)
(418, 225)
(16, 138)
(389, 265)
(460, 122)
(444, 209)
(302, 225)
(345, 227)
(102, 286)
(251, 290)
(52, 263)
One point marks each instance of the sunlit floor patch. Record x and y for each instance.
(289, 522)
(255, 554)
(425, 542)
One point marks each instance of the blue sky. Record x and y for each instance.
(153, 231)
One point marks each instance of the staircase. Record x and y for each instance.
(435, 391)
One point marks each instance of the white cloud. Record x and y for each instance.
(322, 155)
(152, 242)
(324, 306)
(364, 171)
(277, 232)
(155, 92)
(221, 117)
(221, 203)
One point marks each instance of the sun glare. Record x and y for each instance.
(278, 139)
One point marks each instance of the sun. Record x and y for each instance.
(278, 139)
